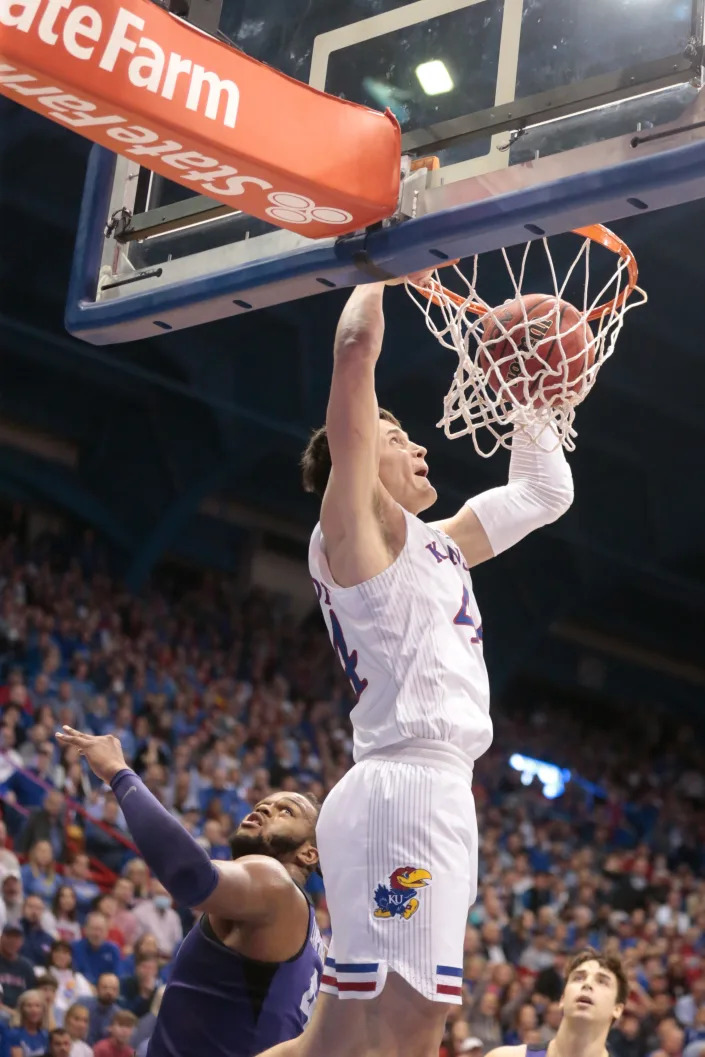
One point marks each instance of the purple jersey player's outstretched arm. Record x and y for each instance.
(255, 889)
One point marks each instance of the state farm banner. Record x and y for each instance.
(145, 84)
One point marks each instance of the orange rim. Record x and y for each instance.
(596, 233)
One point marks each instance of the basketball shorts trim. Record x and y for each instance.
(367, 979)
(398, 848)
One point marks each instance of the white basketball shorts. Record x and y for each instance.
(397, 838)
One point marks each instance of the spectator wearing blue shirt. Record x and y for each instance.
(78, 876)
(29, 1039)
(187, 722)
(218, 847)
(38, 873)
(145, 947)
(41, 692)
(123, 730)
(98, 715)
(95, 955)
(16, 973)
(689, 1003)
(696, 1033)
(37, 942)
(221, 791)
(81, 685)
(102, 1007)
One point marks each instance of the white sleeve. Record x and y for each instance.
(539, 490)
(48, 923)
(82, 985)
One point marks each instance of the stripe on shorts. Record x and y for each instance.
(351, 970)
(349, 985)
(447, 980)
(353, 967)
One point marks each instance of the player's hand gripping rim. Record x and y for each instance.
(422, 278)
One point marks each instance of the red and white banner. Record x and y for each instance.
(143, 83)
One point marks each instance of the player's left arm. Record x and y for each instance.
(246, 890)
(539, 491)
(254, 889)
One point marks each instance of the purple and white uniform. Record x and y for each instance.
(219, 1004)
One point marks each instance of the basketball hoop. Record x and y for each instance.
(510, 375)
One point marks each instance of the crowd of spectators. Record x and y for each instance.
(218, 698)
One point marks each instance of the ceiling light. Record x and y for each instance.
(434, 77)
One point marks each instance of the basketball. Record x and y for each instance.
(539, 346)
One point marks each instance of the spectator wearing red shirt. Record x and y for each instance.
(124, 918)
(117, 1043)
(64, 914)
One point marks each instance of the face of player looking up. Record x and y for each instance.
(591, 994)
(281, 826)
(403, 470)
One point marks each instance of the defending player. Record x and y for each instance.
(397, 836)
(247, 975)
(593, 1000)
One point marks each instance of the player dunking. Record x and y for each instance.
(247, 975)
(397, 836)
(596, 989)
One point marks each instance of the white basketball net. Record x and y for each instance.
(480, 401)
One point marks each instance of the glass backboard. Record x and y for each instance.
(478, 83)
(507, 94)
(450, 69)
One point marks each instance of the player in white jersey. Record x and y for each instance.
(397, 836)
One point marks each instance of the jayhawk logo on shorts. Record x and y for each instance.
(399, 899)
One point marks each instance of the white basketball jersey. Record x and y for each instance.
(410, 642)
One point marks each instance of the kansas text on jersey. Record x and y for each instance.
(410, 642)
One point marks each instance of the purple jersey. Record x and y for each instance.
(219, 1004)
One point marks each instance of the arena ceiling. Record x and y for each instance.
(158, 427)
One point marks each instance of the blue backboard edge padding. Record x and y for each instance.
(654, 182)
(88, 249)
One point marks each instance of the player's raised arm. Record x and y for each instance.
(539, 491)
(249, 890)
(352, 419)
